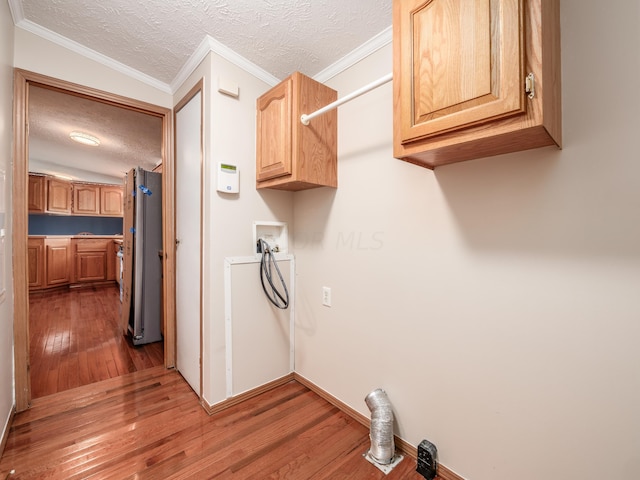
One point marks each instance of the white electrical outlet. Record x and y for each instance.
(326, 296)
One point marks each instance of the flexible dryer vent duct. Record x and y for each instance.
(381, 432)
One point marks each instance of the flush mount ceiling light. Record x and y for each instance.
(85, 138)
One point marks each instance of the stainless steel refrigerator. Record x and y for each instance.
(142, 271)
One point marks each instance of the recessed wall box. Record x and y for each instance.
(228, 178)
(274, 233)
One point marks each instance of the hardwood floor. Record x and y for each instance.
(76, 339)
(149, 425)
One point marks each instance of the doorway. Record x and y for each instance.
(23, 80)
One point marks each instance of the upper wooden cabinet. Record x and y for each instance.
(52, 195)
(92, 199)
(37, 197)
(111, 200)
(58, 196)
(290, 155)
(86, 199)
(474, 78)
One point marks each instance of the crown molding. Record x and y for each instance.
(370, 46)
(91, 54)
(15, 6)
(210, 44)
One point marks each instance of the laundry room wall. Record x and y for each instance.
(494, 300)
(228, 224)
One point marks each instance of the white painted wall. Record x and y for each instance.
(6, 141)
(39, 55)
(495, 300)
(228, 219)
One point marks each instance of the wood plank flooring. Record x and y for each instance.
(149, 425)
(76, 339)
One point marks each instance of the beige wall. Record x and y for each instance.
(39, 55)
(228, 219)
(6, 141)
(495, 300)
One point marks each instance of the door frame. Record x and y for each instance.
(21, 81)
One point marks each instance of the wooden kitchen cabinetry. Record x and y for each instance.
(290, 155)
(58, 261)
(63, 261)
(36, 265)
(86, 199)
(474, 78)
(37, 197)
(111, 200)
(58, 196)
(52, 195)
(97, 200)
(94, 260)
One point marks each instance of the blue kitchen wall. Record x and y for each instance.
(73, 225)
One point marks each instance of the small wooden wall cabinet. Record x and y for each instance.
(290, 155)
(474, 78)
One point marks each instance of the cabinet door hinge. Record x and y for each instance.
(530, 86)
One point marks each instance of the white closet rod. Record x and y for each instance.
(304, 118)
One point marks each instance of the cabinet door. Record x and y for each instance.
(91, 266)
(36, 194)
(58, 255)
(274, 132)
(86, 199)
(35, 253)
(58, 196)
(461, 64)
(111, 201)
(92, 259)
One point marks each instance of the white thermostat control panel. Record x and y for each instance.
(228, 178)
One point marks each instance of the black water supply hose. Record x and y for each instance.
(267, 263)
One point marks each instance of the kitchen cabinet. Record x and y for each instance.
(93, 259)
(97, 200)
(36, 264)
(290, 155)
(53, 195)
(86, 199)
(58, 261)
(111, 200)
(36, 193)
(474, 78)
(58, 196)
(61, 260)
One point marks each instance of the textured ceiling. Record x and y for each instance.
(157, 37)
(127, 138)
